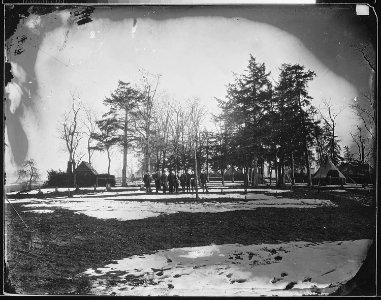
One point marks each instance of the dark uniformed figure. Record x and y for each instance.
(171, 181)
(193, 183)
(203, 182)
(188, 181)
(177, 183)
(157, 182)
(147, 181)
(164, 182)
(183, 179)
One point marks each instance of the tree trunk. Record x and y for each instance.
(89, 150)
(246, 183)
(276, 170)
(280, 169)
(163, 164)
(308, 167)
(109, 161)
(148, 157)
(254, 178)
(270, 172)
(223, 177)
(125, 141)
(232, 174)
(292, 169)
(207, 158)
(305, 146)
(195, 170)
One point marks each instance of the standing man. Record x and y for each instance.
(164, 182)
(176, 179)
(193, 182)
(183, 179)
(147, 181)
(171, 181)
(157, 182)
(203, 182)
(188, 181)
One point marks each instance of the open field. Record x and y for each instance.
(126, 242)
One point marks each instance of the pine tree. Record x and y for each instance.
(122, 103)
(245, 110)
(107, 137)
(295, 111)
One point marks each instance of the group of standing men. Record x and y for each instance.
(172, 182)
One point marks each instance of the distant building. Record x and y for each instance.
(85, 174)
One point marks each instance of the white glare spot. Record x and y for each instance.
(362, 10)
(92, 34)
(33, 21)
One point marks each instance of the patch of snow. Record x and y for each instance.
(118, 207)
(234, 270)
(40, 211)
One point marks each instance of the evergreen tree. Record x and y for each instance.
(122, 103)
(245, 111)
(107, 137)
(296, 126)
(348, 155)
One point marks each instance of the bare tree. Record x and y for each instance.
(178, 126)
(196, 114)
(361, 142)
(90, 128)
(366, 112)
(161, 128)
(366, 106)
(143, 117)
(70, 132)
(330, 121)
(368, 54)
(29, 173)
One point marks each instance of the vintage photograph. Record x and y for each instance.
(157, 150)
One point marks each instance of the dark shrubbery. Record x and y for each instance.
(63, 179)
(59, 179)
(103, 179)
(357, 172)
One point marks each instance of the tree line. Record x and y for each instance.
(273, 121)
(261, 122)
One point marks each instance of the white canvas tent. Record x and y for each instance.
(328, 173)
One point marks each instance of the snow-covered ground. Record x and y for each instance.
(121, 190)
(289, 269)
(135, 205)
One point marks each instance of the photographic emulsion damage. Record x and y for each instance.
(190, 150)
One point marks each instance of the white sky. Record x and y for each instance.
(195, 55)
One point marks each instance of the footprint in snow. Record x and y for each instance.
(241, 280)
